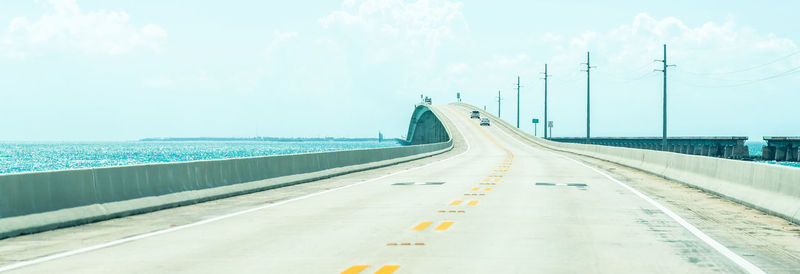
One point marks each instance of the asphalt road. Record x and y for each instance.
(494, 205)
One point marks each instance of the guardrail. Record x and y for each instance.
(39, 201)
(773, 189)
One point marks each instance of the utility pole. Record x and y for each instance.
(588, 120)
(664, 125)
(545, 100)
(517, 101)
(498, 104)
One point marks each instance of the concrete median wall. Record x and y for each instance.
(38, 201)
(773, 189)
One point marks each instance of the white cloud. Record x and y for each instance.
(195, 80)
(65, 27)
(398, 29)
(707, 47)
(499, 62)
(459, 68)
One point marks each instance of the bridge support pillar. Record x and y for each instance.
(727, 152)
(780, 153)
(711, 150)
(707, 150)
(700, 150)
(768, 153)
(794, 154)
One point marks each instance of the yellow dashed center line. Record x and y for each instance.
(475, 188)
(486, 180)
(472, 203)
(487, 189)
(422, 225)
(387, 269)
(456, 202)
(444, 226)
(355, 269)
(496, 180)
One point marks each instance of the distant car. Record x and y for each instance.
(484, 121)
(475, 114)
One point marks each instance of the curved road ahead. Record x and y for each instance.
(492, 205)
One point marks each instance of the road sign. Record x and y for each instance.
(535, 121)
(549, 123)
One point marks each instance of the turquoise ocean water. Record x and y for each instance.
(25, 157)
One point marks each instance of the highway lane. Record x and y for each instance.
(501, 207)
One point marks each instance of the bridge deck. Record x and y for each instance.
(492, 205)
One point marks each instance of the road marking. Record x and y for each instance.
(456, 202)
(410, 183)
(475, 188)
(561, 184)
(422, 225)
(486, 180)
(741, 262)
(472, 203)
(444, 226)
(497, 180)
(405, 244)
(487, 189)
(387, 269)
(355, 269)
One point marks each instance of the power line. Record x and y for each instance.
(752, 81)
(749, 68)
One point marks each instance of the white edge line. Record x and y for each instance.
(226, 216)
(744, 264)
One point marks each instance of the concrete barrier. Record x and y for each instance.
(39, 201)
(773, 189)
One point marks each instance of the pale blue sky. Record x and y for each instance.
(123, 70)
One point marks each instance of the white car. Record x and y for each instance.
(475, 114)
(485, 121)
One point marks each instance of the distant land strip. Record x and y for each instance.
(271, 139)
